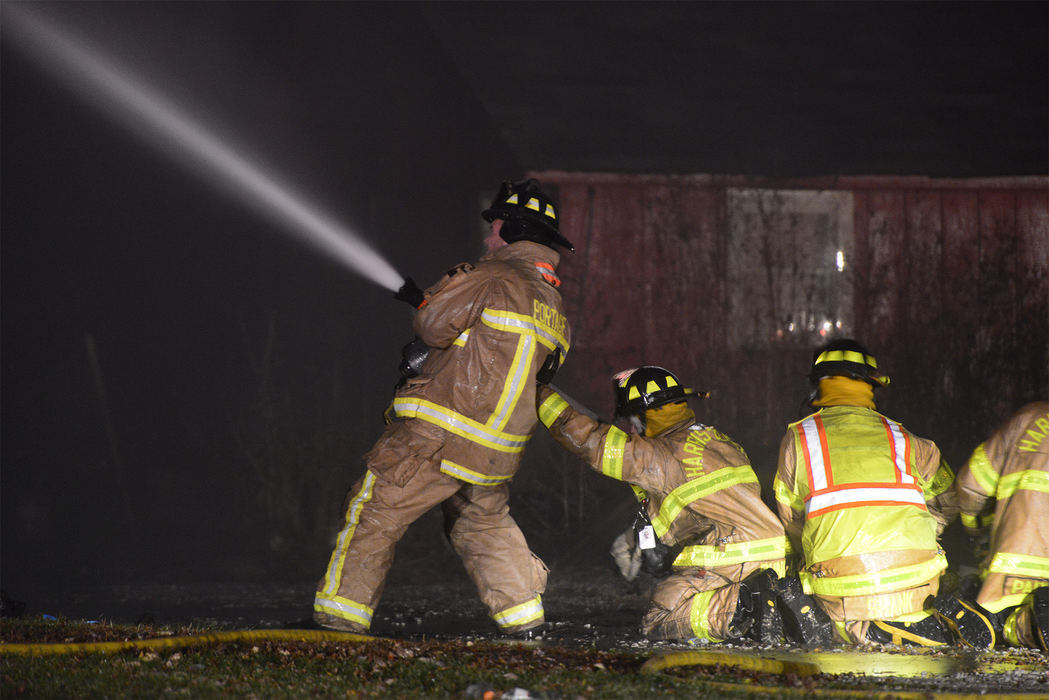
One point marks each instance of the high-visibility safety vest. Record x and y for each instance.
(862, 494)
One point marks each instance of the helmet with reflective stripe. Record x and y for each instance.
(642, 388)
(528, 214)
(846, 358)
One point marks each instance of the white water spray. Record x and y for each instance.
(100, 80)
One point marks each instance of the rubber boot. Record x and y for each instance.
(928, 632)
(971, 625)
(756, 616)
(804, 621)
(1027, 625)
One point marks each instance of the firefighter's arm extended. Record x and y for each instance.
(606, 448)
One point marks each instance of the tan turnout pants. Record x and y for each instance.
(509, 578)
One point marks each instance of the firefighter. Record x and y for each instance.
(864, 501)
(1004, 488)
(461, 418)
(702, 525)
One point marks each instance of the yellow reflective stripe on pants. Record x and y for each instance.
(872, 583)
(699, 616)
(1024, 565)
(982, 471)
(333, 575)
(712, 556)
(1027, 480)
(520, 614)
(612, 455)
(550, 409)
(678, 499)
(344, 608)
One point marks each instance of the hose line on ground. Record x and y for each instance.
(195, 640)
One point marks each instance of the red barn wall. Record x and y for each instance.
(949, 284)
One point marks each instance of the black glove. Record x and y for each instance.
(410, 294)
(546, 373)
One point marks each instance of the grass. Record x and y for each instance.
(276, 669)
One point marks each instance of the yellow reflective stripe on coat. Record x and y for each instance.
(458, 471)
(712, 556)
(344, 608)
(550, 409)
(453, 422)
(1027, 480)
(678, 499)
(520, 614)
(699, 616)
(1025, 565)
(462, 338)
(983, 472)
(875, 582)
(612, 455)
(519, 323)
(333, 575)
(518, 376)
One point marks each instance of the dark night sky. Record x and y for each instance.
(396, 118)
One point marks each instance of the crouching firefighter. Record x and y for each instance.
(702, 526)
(459, 423)
(1003, 493)
(864, 501)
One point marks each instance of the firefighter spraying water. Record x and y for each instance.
(103, 82)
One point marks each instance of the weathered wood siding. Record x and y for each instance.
(949, 282)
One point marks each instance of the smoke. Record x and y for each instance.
(101, 81)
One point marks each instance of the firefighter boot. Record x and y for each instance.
(1027, 625)
(338, 624)
(804, 621)
(756, 616)
(927, 632)
(969, 623)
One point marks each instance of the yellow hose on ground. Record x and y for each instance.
(195, 640)
(741, 661)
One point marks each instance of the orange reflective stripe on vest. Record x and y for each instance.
(826, 496)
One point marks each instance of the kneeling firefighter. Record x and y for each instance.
(702, 526)
(1003, 493)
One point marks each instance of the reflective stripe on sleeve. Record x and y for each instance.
(551, 408)
(1027, 480)
(520, 614)
(1025, 565)
(886, 581)
(678, 499)
(941, 481)
(712, 556)
(612, 455)
(983, 472)
(787, 497)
